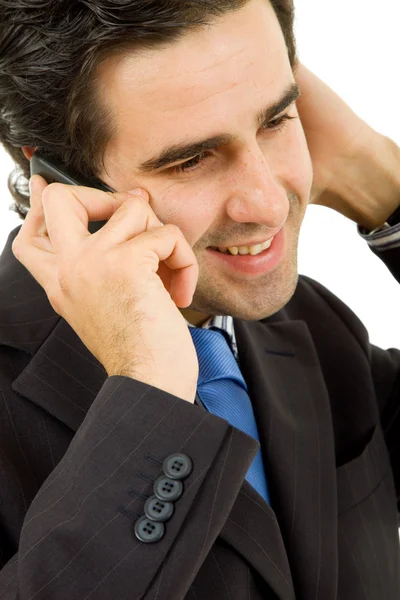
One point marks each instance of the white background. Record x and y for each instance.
(353, 46)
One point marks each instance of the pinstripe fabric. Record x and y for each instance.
(79, 453)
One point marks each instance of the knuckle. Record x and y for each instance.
(175, 231)
(126, 204)
(123, 196)
(136, 201)
(172, 229)
(52, 189)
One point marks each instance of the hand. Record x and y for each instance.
(334, 134)
(118, 288)
(356, 169)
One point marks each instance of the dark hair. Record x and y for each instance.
(50, 52)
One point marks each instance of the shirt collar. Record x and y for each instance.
(224, 322)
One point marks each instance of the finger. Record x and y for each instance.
(32, 246)
(173, 250)
(37, 185)
(165, 274)
(34, 252)
(68, 210)
(33, 232)
(183, 285)
(134, 217)
(34, 223)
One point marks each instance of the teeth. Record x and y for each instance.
(243, 250)
(256, 249)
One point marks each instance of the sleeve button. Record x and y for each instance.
(158, 510)
(167, 489)
(148, 531)
(177, 466)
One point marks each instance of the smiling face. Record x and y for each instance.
(216, 82)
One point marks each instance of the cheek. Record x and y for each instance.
(191, 206)
(291, 162)
(300, 161)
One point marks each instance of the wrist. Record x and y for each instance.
(368, 189)
(184, 391)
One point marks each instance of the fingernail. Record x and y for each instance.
(139, 192)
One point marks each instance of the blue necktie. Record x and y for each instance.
(223, 391)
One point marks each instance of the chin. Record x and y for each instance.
(248, 302)
(265, 307)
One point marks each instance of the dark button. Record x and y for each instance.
(158, 510)
(177, 466)
(148, 531)
(167, 489)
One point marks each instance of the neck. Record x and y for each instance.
(195, 318)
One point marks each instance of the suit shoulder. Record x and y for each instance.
(316, 304)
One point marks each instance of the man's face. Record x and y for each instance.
(216, 82)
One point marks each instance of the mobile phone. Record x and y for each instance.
(54, 171)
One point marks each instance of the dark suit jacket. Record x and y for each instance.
(79, 453)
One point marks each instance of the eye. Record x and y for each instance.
(189, 165)
(279, 123)
(275, 126)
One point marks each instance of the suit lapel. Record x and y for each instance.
(253, 531)
(291, 404)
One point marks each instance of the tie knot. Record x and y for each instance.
(216, 359)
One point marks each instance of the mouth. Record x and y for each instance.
(246, 263)
(253, 249)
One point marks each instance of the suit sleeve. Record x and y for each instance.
(385, 364)
(78, 539)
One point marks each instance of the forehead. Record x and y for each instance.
(210, 78)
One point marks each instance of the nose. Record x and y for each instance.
(255, 194)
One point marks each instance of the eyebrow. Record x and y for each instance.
(181, 152)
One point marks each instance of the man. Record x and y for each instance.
(98, 367)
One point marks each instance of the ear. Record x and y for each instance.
(28, 151)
